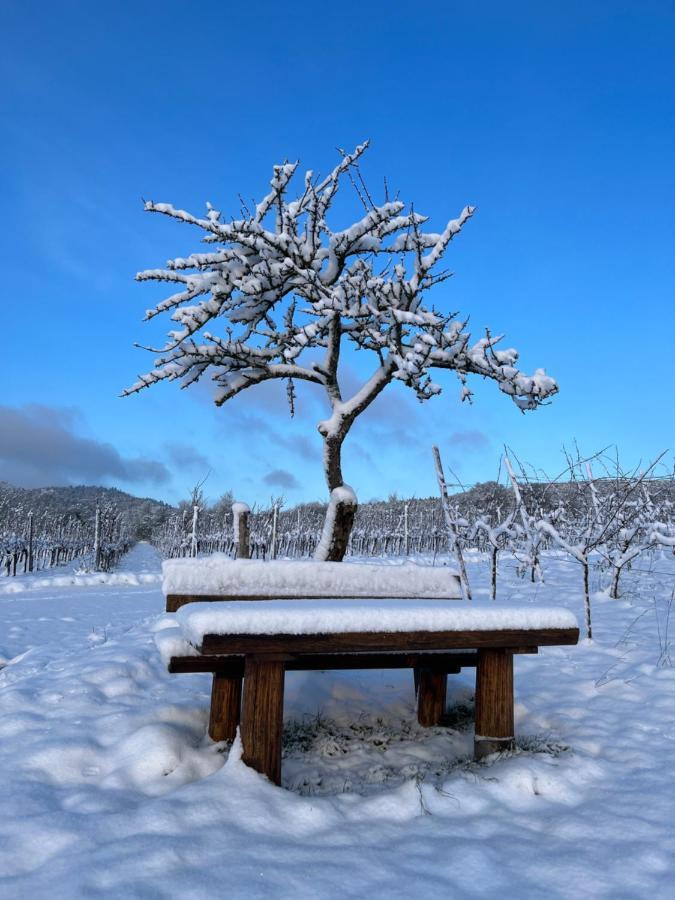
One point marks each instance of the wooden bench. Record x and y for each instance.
(260, 642)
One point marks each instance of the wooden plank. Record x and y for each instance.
(442, 662)
(225, 706)
(234, 665)
(404, 641)
(175, 601)
(228, 665)
(494, 702)
(262, 715)
(431, 693)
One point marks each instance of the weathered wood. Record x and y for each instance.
(447, 663)
(403, 641)
(431, 693)
(175, 601)
(243, 537)
(225, 706)
(494, 702)
(262, 715)
(228, 665)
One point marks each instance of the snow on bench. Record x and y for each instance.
(333, 616)
(218, 577)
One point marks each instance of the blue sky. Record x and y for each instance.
(556, 120)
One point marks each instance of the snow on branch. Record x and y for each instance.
(280, 282)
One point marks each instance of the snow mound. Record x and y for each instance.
(74, 580)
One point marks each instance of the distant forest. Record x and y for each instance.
(143, 516)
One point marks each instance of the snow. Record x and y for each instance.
(110, 787)
(170, 640)
(239, 509)
(344, 616)
(74, 574)
(219, 574)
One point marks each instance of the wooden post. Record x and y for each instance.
(242, 534)
(97, 538)
(275, 515)
(455, 545)
(29, 561)
(193, 536)
(406, 532)
(262, 715)
(225, 707)
(494, 702)
(431, 692)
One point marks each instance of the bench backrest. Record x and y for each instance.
(217, 578)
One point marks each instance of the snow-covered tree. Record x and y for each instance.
(603, 528)
(286, 292)
(497, 537)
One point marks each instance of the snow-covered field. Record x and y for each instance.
(109, 786)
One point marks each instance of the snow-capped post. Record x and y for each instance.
(29, 559)
(193, 535)
(455, 547)
(284, 284)
(242, 534)
(197, 502)
(406, 534)
(97, 538)
(275, 515)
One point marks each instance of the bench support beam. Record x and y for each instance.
(225, 707)
(449, 663)
(432, 688)
(262, 715)
(494, 703)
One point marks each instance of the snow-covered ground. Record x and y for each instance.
(109, 786)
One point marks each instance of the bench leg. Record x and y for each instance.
(225, 706)
(262, 715)
(494, 702)
(431, 692)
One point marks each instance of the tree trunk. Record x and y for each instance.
(614, 589)
(341, 508)
(587, 602)
(493, 573)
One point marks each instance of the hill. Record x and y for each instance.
(142, 514)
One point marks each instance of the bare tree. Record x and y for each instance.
(602, 527)
(497, 536)
(285, 285)
(531, 551)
